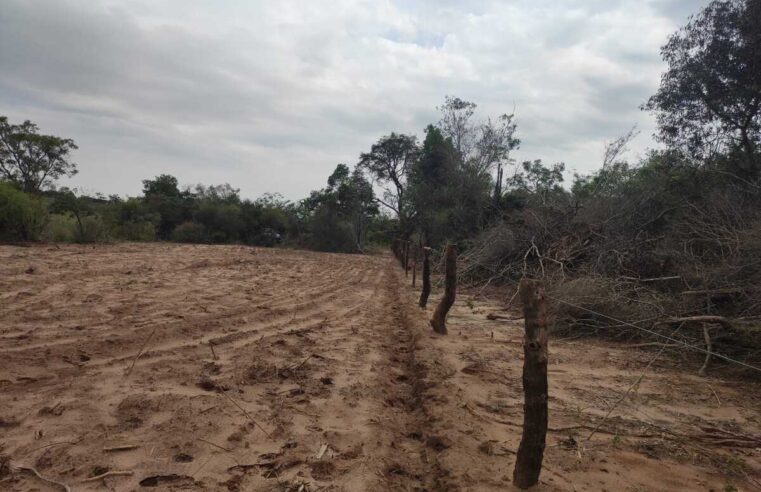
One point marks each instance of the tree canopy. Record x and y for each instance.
(709, 100)
(32, 160)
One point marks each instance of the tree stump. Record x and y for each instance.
(438, 321)
(528, 463)
(426, 278)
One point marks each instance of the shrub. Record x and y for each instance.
(330, 233)
(60, 228)
(22, 216)
(189, 232)
(91, 230)
(65, 228)
(138, 231)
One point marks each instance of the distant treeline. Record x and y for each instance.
(341, 217)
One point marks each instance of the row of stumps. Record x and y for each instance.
(528, 463)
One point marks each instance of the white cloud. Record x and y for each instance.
(270, 96)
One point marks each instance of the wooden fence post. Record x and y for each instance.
(426, 278)
(528, 463)
(439, 319)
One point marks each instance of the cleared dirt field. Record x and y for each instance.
(285, 370)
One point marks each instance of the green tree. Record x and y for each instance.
(341, 213)
(32, 160)
(709, 99)
(537, 181)
(431, 184)
(456, 125)
(357, 203)
(388, 162)
(172, 205)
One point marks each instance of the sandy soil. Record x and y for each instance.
(287, 370)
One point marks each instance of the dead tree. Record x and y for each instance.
(439, 319)
(528, 463)
(426, 278)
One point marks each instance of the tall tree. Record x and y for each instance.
(32, 160)
(341, 212)
(358, 204)
(456, 125)
(495, 142)
(481, 148)
(388, 162)
(432, 181)
(709, 99)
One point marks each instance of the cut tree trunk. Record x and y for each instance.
(528, 463)
(426, 278)
(439, 319)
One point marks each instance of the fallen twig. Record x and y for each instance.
(53, 444)
(629, 390)
(123, 447)
(247, 414)
(114, 473)
(495, 316)
(44, 479)
(215, 445)
(297, 366)
(140, 352)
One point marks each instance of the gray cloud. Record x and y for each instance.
(269, 96)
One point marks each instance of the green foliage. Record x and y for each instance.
(190, 232)
(60, 228)
(22, 216)
(329, 232)
(91, 229)
(389, 162)
(30, 160)
(339, 216)
(67, 228)
(132, 219)
(137, 231)
(221, 221)
(165, 199)
(432, 180)
(709, 100)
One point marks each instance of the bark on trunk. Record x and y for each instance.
(426, 278)
(406, 258)
(414, 267)
(438, 322)
(528, 463)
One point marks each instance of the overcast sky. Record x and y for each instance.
(270, 96)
